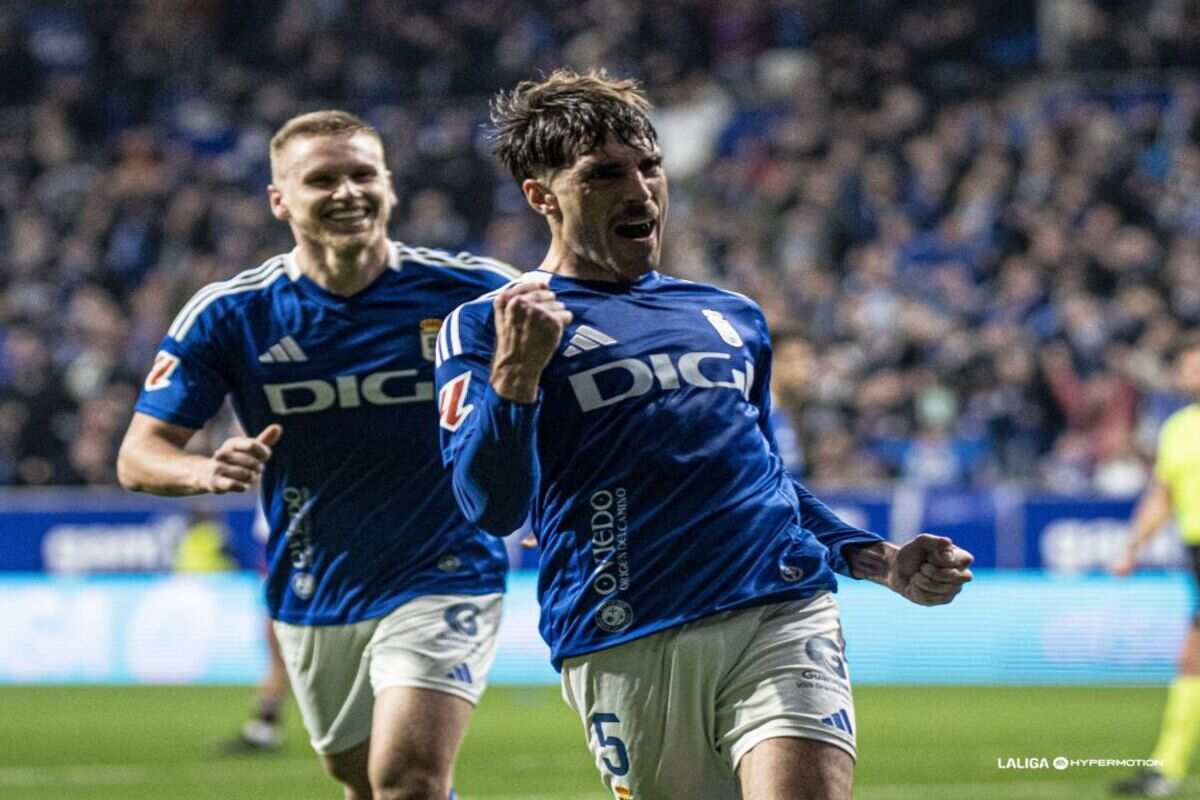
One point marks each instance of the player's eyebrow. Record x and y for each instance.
(599, 167)
(595, 164)
(340, 168)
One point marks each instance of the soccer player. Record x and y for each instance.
(1175, 486)
(385, 599)
(685, 582)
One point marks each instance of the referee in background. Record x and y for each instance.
(1174, 490)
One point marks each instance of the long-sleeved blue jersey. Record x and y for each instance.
(360, 507)
(648, 464)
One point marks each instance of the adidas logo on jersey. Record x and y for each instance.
(285, 351)
(586, 338)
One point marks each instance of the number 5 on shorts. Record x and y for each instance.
(622, 765)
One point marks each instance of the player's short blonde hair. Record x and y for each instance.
(331, 122)
(546, 125)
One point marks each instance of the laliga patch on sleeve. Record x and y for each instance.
(452, 402)
(160, 373)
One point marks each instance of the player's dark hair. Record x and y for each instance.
(546, 125)
(319, 123)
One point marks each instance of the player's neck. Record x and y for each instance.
(342, 272)
(561, 260)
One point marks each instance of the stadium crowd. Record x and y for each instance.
(976, 258)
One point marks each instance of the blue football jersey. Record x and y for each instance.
(648, 463)
(360, 508)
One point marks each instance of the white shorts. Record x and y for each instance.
(441, 642)
(671, 715)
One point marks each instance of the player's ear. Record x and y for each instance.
(391, 184)
(540, 198)
(278, 208)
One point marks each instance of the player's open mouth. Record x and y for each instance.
(348, 215)
(636, 230)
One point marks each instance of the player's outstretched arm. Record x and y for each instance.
(929, 570)
(1152, 512)
(152, 459)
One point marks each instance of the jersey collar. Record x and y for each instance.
(293, 267)
(612, 287)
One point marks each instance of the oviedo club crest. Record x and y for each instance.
(429, 334)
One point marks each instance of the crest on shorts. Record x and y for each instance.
(828, 654)
(429, 333)
(461, 618)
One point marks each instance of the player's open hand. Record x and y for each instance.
(530, 322)
(239, 461)
(929, 570)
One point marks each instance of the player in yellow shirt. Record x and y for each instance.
(1174, 490)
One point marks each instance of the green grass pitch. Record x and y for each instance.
(925, 743)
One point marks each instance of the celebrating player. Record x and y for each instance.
(386, 600)
(1176, 484)
(685, 583)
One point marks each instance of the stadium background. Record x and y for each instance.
(973, 227)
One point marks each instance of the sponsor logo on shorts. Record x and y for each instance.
(449, 563)
(614, 616)
(461, 618)
(815, 680)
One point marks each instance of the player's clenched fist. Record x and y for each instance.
(239, 461)
(530, 322)
(929, 570)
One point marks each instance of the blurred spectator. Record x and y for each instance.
(976, 262)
